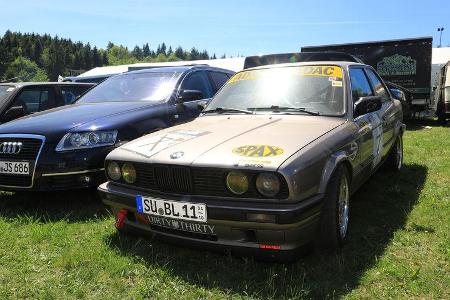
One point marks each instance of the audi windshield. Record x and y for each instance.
(148, 86)
(312, 89)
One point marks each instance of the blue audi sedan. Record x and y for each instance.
(64, 148)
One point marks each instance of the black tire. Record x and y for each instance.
(330, 237)
(394, 161)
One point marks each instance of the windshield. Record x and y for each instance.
(5, 91)
(150, 86)
(316, 89)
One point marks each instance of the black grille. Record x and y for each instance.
(29, 151)
(15, 180)
(195, 181)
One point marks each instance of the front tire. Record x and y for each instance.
(332, 231)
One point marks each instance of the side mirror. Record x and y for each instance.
(398, 94)
(189, 95)
(13, 113)
(366, 105)
(201, 105)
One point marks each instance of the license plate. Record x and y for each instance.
(12, 167)
(172, 209)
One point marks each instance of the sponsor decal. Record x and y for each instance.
(154, 144)
(397, 65)
(328, 71)
(336, 83)
(258, 151)
(181, 225)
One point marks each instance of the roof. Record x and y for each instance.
(20, 84)
(427, 39)
(233, 64)
(179, 69)
(343, 64)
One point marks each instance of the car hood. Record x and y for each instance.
(258, 141)
(68, 117)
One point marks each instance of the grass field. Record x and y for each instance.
(64, 246)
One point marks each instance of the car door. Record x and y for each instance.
(196, 80)
(217, 79)
(368, 136)
(35, 98)
(67, 94)
(387, 112)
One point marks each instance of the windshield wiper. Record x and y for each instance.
(221, 110)
(277, 108)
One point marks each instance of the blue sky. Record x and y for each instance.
(244, 27)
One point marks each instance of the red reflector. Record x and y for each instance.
(270, 247)
(120, 219)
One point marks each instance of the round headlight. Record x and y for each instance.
(237, 182)
(128, 173)
(268, 184)
(113, 170)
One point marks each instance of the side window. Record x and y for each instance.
(197, 81)
(218, 79)
(70, 93)
(34, 100)
(360, 84)
(378, 86)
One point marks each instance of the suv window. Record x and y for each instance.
(34, 100)
(218, 79)
(70, 93)
(360, 84)
(378, 86)
(198, 81)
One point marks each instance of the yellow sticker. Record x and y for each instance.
(258, 151)
(328, 71)
(246, 75)
(333, 71)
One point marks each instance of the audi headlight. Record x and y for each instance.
(83, 140)
(113, 170)
(128, 173)
(237, 182)
(268, 184)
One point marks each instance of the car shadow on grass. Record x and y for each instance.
(71, 206)
(379, 209)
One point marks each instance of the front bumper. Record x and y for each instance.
(63, 170)
(227, 226)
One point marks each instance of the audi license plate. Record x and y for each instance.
(172, 209)
(13, 167)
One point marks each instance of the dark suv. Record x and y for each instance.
(65, 147)
(24, 98)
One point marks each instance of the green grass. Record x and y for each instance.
(64, 246)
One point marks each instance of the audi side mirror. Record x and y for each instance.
(366, 105)
(189, 95)
(13, 113)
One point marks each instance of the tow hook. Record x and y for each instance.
(120, 219)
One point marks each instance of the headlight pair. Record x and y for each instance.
(83, 140)
(268, 184)
(127, 172)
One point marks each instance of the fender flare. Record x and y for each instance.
(332, 163)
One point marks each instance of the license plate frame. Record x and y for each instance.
(23, 168)
(179, 210)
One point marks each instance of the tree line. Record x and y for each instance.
(36, 57)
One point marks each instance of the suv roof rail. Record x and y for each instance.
(282, 58)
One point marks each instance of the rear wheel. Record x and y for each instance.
(395, 159)
(333, 227)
